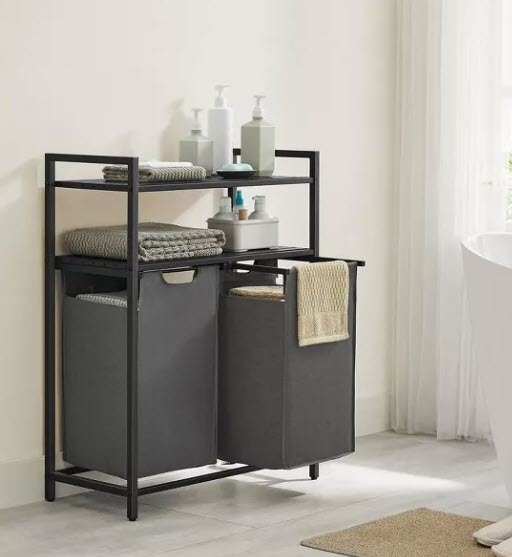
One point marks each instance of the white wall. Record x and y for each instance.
(119, 77)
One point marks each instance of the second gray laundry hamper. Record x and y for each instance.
(177, 374)
(281, 405)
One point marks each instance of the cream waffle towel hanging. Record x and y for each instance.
(322, 302)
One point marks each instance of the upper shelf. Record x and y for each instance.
(208, 183)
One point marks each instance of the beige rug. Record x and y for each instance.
(416, 533)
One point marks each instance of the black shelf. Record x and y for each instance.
(100, 265)
(207, 183)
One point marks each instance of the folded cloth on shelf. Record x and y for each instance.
(322, 302)
(156, 171)
(118, 299)
(270, 292)
(157, 241)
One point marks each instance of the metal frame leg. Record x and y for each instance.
(49, 340)
(314, 202)
(314, 471)
(132, 456)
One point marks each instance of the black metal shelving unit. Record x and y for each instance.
(131, 269)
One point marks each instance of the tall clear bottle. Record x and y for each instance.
(220, 130)
(258, 141)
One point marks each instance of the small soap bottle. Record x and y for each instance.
(197, 148)
(260, 211)
(239, 204)
(258, 142)
(225, 213)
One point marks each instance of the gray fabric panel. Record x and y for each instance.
(94, 385)
(319, 390)
(250, 381)
(177, 378)
(281, 405)
(178, 358)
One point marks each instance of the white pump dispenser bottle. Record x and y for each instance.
(220, 130)
(197, 148)
(258, 142)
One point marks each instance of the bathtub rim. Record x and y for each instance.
(470, 244)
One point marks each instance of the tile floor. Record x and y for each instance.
(266, 513)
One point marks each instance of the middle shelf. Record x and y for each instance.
(101, 265)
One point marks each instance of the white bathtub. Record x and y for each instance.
(488, 271)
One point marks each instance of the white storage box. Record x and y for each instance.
(243, 235)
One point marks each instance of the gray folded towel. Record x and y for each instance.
(154, 173)
(157, 241)
(117, 299)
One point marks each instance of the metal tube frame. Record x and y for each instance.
(70, 475)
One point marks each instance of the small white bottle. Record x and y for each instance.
(258, 142)
(225, 213)
(197, 148)
(220, 130)
(260, 211)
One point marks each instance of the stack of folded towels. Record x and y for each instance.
(157, 241)
(156, 171)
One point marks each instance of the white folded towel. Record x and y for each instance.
(165, 164)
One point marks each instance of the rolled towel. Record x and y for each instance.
(496, 533)
(503, 549)
(157, 241)
(156, 171)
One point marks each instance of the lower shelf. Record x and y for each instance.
(100, 265)
(68, 476)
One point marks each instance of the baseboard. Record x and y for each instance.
(372, 414)
(22, 482)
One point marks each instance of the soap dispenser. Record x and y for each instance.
(258, 142)
(197, 148)
(220, 130)
(260, 212)
(225, 213)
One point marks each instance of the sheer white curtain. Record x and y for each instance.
(448, 185)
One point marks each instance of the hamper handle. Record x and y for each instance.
(193, 270)
(282, 271)
(260, 269)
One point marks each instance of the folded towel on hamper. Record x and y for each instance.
(157, 241)
(156, 171)
(270, 292)
(118, 299)
(322, 302)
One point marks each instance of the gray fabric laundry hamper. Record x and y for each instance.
(281, 405)
(177, 374)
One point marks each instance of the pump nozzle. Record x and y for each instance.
(258, 109)
(220, 100)
(196, 124)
